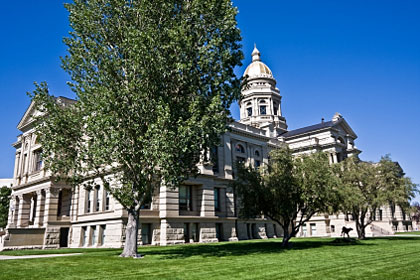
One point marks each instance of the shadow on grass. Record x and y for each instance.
(244, 248)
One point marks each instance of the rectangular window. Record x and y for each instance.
(216, 199)
(88, 201)
(38, 160)
(275, 109)
(185, 198)
(84, 236)
(94, 235)
(146, 234)
(196, 232)
(107, 200)
(304, 230)
(313, 229)
(187, 233)
(380, 214)
(332, 228)
(103, 229)
(98, 198)
(214, 157)
(263, 110)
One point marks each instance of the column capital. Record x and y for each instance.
(39, 192)
(20, 196)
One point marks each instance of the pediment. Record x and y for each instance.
(28, 117)
(343, 126)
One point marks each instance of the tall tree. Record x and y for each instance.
(289, 191)
(366, 186)
(154, 80)
(5, 193)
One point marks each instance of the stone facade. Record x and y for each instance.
(47, 214)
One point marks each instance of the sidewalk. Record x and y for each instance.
(3, 257)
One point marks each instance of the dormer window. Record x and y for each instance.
(249, 111)
(240, 149)
(263, 110)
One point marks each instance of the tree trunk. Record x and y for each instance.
(286, 236)
(131, 233)
(360, 230)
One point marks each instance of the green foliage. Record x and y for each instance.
(154, 80)
(5, 193)
(289, 190)
(366, 186)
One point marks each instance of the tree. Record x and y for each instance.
(154, 80)
(5, 193)
(289, 191)
(366, 186)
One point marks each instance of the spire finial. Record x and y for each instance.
(256, 55)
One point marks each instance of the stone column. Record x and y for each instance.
(227, 157)
(16, 170)
(51, 204)
(75, 204)
(207, 201)
(39, 209)
(23, 215)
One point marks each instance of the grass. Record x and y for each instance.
(408, 232)
(380, 258)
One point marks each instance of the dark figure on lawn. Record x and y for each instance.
(345, 231)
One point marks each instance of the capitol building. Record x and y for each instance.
(47, 214)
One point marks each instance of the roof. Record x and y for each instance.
(308, 129)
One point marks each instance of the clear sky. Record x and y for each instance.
(359, 58)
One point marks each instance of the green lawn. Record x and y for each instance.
(381, 258)
(408, 232)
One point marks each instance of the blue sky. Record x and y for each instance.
(359, 58)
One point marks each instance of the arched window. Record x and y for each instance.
(340, 140)
(240, 148)
(257, 153)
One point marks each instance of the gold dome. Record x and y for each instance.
(258, 68)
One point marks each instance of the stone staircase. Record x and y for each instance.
(379, 231)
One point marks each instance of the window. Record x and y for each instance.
(304, 230)
(103, 229)
(60, 203)
(107, 198)
(98, 198)
(196, 232)
(38, 160)
(257, 153)
(380, 214)
(263, 110)
(187, 233)
(214, 157)
(84, 236)
(240, 149)
(249, 112)
(146, 234)
(257, 163)
(216, 199)
(313, 229)
(94, 235)
(332, 228)
(185, 198)
(275, 109)
(88, 200)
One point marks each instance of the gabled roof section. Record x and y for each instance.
(337, 120)
(30, 112)
(307, 129)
